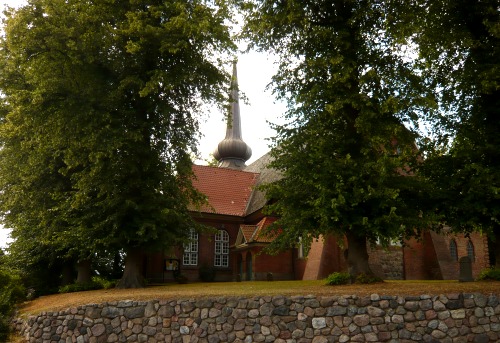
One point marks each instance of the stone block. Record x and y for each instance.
(318, 323)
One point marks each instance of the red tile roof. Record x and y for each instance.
(256, 233)
(228, 190)
(260, 235)
(247, 231)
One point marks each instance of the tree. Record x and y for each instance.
(99, 119)
(463, 67)
(348, 150)
(11, 293)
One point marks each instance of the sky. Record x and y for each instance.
(254, 74)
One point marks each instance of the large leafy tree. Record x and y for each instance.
(348, 152)
(99, 120)
(463, 66)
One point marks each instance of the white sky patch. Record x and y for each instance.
(4, 238)
(254, 74)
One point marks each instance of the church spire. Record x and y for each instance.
(232, 152)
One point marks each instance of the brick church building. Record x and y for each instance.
(232, 250)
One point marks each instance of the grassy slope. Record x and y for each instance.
(248, 289)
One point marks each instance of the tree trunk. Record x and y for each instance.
(83, 267)
(67, 275)
(132, 275)
(357, 255)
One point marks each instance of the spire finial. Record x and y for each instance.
(232, 151)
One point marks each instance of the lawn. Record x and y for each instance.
(256, 288)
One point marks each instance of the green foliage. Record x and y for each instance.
(211, 161)
(105, 283)
(39, 270)
(109, 266)
(367, 279)
(347, 153)
(489, 274)
(462, 67)
(343, 278)
(80, 287)
(11, 292)
(40, 275)
(338, 278)
(96, 283)
(99, 117)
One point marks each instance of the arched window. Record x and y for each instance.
(190, 257)
(470, 251)
(453, 250)
(221, 249)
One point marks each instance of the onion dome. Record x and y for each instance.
(232, 152)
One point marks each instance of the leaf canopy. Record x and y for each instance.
(99, 118)
(348, 152)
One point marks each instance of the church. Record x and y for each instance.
(233, 249)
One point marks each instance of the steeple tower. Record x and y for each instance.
(232, 152)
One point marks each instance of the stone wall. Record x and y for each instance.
(302, 319)
(387, 263)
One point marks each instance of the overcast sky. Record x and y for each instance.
(254, 73)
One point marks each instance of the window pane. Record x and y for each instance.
(225, 248)
(221, 249)
(190, 257)
(453, 250)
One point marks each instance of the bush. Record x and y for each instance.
(11, 292)
(343, 278)
(105, 283)
(489, 274)
(79, 287)
(40, 278)
(96, 283)
(338, 278)
(365, 279)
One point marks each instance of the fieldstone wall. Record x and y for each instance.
(387, 263)
(302, 319)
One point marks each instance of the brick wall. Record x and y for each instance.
(414, 262)
(426, 258)
(281, 266)
(153, 267)
(325, 257)
(430, 258)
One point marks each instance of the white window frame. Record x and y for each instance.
(190, 257)
(221, 251)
